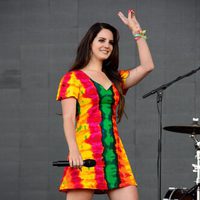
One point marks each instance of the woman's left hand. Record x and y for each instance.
(130, 21)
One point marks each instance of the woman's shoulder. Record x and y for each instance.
(71, 74)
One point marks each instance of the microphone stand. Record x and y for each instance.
(159, 92)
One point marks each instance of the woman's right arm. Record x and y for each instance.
(69, 115)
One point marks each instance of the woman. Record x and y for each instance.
(92, 97)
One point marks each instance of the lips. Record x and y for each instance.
(105, 51)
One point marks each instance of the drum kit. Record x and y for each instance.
(193, 193)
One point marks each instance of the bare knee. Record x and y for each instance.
(79, 194)
(128, 193)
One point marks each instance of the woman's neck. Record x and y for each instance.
(94, 65)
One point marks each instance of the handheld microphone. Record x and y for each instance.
(65, 163)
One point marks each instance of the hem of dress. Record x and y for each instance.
(96, 190)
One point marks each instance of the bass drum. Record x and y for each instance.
(179, 194)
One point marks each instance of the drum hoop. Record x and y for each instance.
(172, 194)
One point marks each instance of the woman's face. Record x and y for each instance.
(102, 45)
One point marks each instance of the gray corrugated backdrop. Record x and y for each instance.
(38, 39)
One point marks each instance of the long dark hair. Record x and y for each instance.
(110, 65)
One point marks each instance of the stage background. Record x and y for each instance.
(38, 40)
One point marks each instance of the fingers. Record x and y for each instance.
(131, 14)
(76, 162)
(130, 21)
(122, 17)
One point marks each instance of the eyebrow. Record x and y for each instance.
(105, 39)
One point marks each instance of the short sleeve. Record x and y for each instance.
(124, 75)
(68, 87)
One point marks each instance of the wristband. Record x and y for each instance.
(140, 34)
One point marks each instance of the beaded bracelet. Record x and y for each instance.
(140, 34)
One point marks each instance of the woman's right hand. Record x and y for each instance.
(75, 159)
(130, 21)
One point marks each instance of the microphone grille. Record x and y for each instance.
(89, 163)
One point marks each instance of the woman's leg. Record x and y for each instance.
(127, 193)
(79, 194)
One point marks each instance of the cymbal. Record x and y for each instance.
(190, 129)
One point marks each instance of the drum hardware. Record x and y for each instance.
(194, 129)
(160, 91)
(179, 194)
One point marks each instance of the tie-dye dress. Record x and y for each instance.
(96, 135)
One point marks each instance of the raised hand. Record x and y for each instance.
(130, 21)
